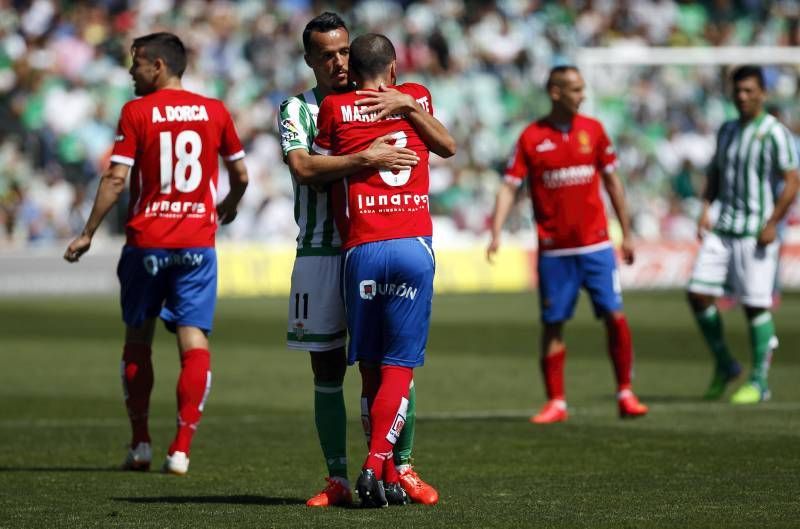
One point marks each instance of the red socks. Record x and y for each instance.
(620, 349)
(137, 383)
(387, 418)
(553, 371)
(194, 384)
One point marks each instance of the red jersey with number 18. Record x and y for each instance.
(172, 140)
(374, 205)
(564, 169)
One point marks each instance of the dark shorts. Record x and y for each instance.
(179, 285)
(388, 290)
(561, 278)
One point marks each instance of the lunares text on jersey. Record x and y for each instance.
(180, 113)
(352, 112)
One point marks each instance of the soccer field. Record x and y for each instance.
(256, 460)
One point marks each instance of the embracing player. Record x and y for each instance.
(316, 311)
(565, 156)
(389, 263)
(169, 140)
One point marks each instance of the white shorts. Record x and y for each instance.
(738, 266)
(316, 309)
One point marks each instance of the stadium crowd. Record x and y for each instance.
(63, 80)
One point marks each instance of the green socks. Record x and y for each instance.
(405, 442)
(762, 342)
(331, 420)
(710, 323)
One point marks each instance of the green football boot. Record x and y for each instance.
(722, 377)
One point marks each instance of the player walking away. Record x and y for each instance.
(316, 312)
(169, 140)
(755, 154)
(389, 263)
(565, 155)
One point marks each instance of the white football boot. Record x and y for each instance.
(177, 464)
(138, 458)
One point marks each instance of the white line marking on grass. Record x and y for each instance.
(595, 410)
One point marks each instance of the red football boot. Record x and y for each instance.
(418, 491)
(629, 405)
(555, 410)
(336, 493)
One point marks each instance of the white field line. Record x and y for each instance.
(596, 410)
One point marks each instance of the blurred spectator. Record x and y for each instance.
(63, 80)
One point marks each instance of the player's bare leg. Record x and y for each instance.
(620, 349)
(553, 352)
(331, 421)
(194, 384)
(137, 384)
(708, 318)
(762, 343)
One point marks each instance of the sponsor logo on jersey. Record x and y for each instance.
(369, 288)
(180, 113)
(384, 203)
(545, 146)
(119, 137)
(154, 263)
(574, 175)
(175, 208)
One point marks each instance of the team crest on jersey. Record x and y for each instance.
(299, 330)
(585, 142)
(545, 146)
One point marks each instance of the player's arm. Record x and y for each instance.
(502, 207)
(791, 183)
(112, 183)
(309, 169)
(388, 101)
(237, 178)
(616, 192)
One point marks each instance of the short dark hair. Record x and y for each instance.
(747, 71)
(323, 23)
(371, 54)
(558, 70)
(165, 46)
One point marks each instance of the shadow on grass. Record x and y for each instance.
(234, 499)
(60, 469)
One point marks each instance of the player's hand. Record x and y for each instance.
(226, 213)
(77, 248)
(383, 155)
(491, 250)
(627, 250)
(703, 225)
(769, 233)
(386, 101)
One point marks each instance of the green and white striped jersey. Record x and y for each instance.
(748, 165)
(313, 210)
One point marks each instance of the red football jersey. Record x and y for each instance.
(172, 139)
(374, 205)
(564, 170)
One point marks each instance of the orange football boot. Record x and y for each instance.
(555, 410)
(335, 493)
(629, 405)
(418, 491)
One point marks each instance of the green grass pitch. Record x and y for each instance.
(256, 459)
